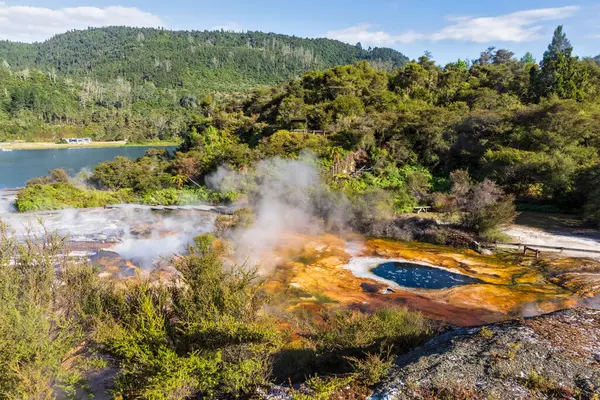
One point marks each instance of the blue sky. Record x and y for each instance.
(449, 30)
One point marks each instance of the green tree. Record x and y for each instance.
(561, 74)
(528, 58)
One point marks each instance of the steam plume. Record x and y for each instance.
(288, 196)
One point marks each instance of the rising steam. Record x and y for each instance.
(135, 233)
(288, 196)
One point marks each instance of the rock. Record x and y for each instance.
(551, 356)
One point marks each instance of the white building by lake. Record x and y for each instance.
(77, 140)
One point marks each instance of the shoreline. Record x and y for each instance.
(93, 145)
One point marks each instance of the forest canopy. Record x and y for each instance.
(532, 129)
(138, 84)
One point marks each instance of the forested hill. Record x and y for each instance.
(209, 60)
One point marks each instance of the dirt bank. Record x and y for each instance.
(51, 145)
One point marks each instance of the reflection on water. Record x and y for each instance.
(420, 276)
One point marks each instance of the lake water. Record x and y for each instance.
(19, 166)
(421, 276)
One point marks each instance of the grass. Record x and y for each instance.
(486, 332)
(538, 383)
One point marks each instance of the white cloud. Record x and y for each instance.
(520, 26)
(362, 33)
(30, 24)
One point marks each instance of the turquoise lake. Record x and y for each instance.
(19, 166)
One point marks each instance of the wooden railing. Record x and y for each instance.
(528, 246)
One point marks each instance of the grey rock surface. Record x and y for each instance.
(554, 356)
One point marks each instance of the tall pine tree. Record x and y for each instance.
(561, 74)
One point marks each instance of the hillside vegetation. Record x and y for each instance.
(141, 83)
(195, 60)
(458, 137)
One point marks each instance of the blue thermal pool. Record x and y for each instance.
(421, 276)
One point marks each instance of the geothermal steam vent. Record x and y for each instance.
(407, 274)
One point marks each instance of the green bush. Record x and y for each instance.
(321, 388)
(57, 196)
(487, 220)
(290, 144)
(149, 173)
(371, 368)
(181, 197)
(36, 333)
(397, 327)
(202, 334)
(356, 343)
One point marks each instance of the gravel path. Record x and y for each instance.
(534, 236)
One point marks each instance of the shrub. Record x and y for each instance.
(370, 206)
(202, 334)
(486, 220)
(144, 175)
(346, 338)
(370, 369)
(397, 327)
(321, 388)
(57, 196)
(538, 383)
(484, 205)
(59, 175)
(419, 229)
(290, 144)
(36, 335)
(244, 217)
(56, 175)
(486, 332)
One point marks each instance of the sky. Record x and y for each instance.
(448, 29)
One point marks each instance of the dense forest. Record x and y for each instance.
(531, 128)
(135, 84)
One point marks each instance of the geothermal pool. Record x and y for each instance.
(400, 273)
(418, 276)
(314, 272)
